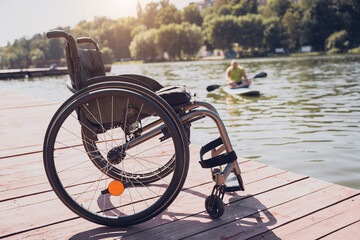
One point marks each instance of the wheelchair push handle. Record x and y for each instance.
(89, 40)
(60, 34)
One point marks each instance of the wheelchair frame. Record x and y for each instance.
(181, 115)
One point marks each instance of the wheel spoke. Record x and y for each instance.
(112, 135)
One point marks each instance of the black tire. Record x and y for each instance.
(217, 210)
(77, 180)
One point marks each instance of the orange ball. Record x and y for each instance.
(116, 188)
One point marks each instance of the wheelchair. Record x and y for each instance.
(117, 151)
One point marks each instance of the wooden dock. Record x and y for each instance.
(277, 204)
(36, 72)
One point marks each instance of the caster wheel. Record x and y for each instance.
(217, 210)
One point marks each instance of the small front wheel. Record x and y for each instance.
(214, 206)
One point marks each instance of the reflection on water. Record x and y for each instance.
(306, 120)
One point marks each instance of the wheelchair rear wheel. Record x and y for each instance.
(137, 149)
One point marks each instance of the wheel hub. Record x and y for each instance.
(116, 155)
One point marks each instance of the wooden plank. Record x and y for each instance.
(82, 229)
(201, 226)
(276, 203)
(276, 216)
(320, 223)
(349, 232)
(23, 129)
(183, 206)
(42, 186)
(24, 175)
(56, 212)
(11, 99)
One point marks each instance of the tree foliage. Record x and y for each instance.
(191, 39)
(252, 30)
(331, 25)
(279, 6)
(148, 16)
(167, 15)
(192, 15)
(337, 40)
(224, 10)
(223, 31)
(320, 21)
(168, 40)
(117, 36)
(243, 7)
(143, 46)
(292, 23)
(108, 55)
(273, 34)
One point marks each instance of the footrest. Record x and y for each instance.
(218, 160)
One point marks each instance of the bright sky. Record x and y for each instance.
(24, 18)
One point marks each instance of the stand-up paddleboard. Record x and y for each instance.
(241, 91)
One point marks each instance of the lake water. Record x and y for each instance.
(306, 120)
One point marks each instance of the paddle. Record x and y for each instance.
(213, 87)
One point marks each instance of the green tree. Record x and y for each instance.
(148, 16)
(117, 36)
(168, 40)
(107, 55)
(164, 3)
(279, 6)
(84, 29)
(222, 31)
(244, 7)
(56, 49)
(11, 60)
(206, 29)
(224, 10)
(37, 55)
(138, 29)
(349, 10)
(207, 11)
(143, 46)
(337, 41)
(219, 3)
(292, 23)
(191, 14)
(320, 21)
(239, 9)
(191, 39)
(167, 15)
(273, 36)
(19, 49)
(39, 41)
(252, 31)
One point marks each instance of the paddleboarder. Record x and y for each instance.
(236, 76)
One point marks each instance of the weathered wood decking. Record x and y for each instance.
(276, 203)
(36, 72)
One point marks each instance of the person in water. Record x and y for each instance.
(236, 76)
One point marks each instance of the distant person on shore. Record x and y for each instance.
(236, 76)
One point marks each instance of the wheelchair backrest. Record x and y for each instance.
(90, 65)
